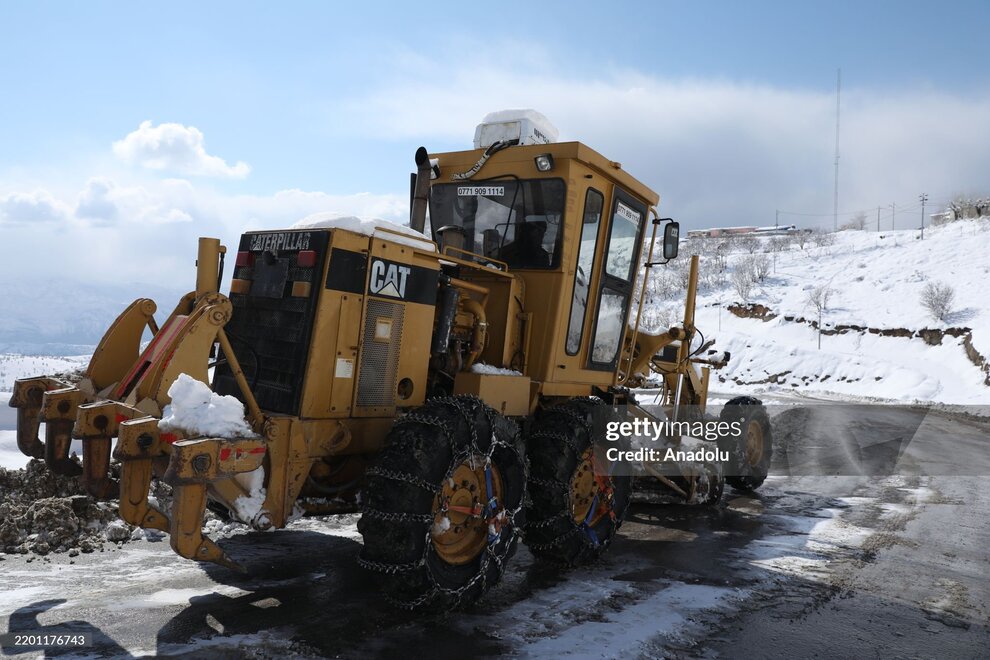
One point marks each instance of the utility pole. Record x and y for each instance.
(924, 198)
(776, 225)
(835, 199)
(893, 214)
(878, 219)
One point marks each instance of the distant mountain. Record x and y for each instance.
(68, 317)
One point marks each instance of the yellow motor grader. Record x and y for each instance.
(451, 380)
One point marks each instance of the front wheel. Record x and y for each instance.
(443, 504)
(751, 451)
(576, 505)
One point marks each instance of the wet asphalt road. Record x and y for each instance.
(862, 544)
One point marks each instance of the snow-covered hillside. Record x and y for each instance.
(14, 366)
(67, 317)
(876, 281)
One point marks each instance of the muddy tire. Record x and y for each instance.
(563, 526)
(750, 453)
(423, 554)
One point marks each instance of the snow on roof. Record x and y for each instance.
(527, 126)
(367, 227)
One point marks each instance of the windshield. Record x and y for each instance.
(518, 222)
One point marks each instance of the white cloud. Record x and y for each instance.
(95, 201)
(32, 207)
(116, 230)
(176, 148)
(717, 152)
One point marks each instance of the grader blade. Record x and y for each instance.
(27, 399)
(59, 409)
(194, 465)
(138, 445)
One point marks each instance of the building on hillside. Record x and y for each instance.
(720, 232)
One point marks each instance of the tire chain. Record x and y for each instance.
(404, 477)
(556, 483)
(514, 528)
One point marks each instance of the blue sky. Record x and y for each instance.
(725, 108)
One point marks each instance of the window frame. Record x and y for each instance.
(590, 275)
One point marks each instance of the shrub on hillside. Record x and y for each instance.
(937, 298)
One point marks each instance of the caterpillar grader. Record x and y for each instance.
(452, 380)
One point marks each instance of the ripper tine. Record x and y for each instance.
(27, 398)
(194, 466)
(58, 408)
(96, 424)
(138, 445)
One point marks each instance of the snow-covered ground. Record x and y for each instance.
(14, 366)
(876, 279)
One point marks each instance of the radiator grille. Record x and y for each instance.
(380, 359)
(271, 335)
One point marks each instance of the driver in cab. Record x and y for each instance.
(527, 250)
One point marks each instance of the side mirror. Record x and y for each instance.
(671, 236)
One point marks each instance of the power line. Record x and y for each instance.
(904, 207)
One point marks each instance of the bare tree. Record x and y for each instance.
(750, 243)
(802, 238)
(761, 266)
(818, 298)
(743, 279)
(780, 243)
(937, 298)
(858, 222)
(823, 239)
(719, 255)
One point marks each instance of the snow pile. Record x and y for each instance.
(199, 411)
(248, 507)
(367, 227)
(490, 370)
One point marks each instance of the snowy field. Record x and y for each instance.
(876, 280)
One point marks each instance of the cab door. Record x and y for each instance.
(618, 275)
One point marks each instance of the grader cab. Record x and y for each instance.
(452, 379)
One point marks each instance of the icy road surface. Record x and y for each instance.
(815, 565)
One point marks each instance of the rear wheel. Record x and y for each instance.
(576, 506)
(750, 452)
(443, 504)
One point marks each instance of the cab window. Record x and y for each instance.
(516, 221)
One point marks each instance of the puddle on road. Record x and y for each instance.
(747, 505)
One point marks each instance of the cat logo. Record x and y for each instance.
(388, 279)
